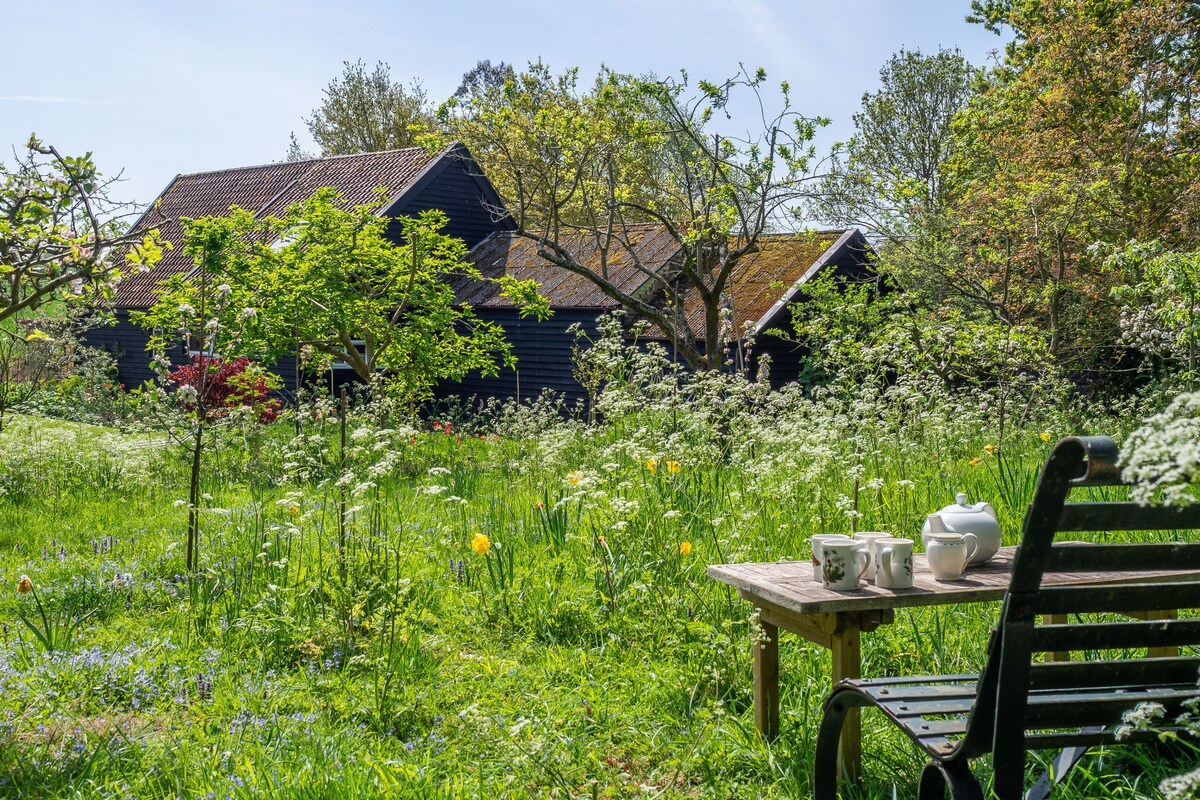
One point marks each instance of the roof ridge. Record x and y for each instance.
(306, 161)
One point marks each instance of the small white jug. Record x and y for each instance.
(948, 554)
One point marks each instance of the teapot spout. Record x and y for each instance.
(937, 524)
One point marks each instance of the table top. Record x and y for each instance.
(788, 585)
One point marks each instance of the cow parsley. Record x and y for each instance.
(1163, 455)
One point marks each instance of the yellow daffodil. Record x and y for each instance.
(685, 548)
(987, 448)
(574, 478)
(974, 462)
(652, 464)
(293, 510)
(24, 586)
(481, 544)
(672, 467)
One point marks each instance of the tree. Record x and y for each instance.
(1160, 313)
(888, 177)
(295, 152)
(59, 231)
(367, 112)
(576, 169)
(210, 316)
(1087, 134)
(482, 78)
(327, 281)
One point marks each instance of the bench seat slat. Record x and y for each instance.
(1115, 635)
(915, 692)
(1077, 517)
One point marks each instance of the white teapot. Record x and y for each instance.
(979, 519)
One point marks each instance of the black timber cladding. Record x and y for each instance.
(543, 352)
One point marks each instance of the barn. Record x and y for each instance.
(763, 286)
(416, 180)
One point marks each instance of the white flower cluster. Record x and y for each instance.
(1162, 457)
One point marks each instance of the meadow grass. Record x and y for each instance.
(575, 650)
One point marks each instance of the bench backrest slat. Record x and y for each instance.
(1149, 557)
(1126, 516)
(1115, 635)
(1113, 673)
(1164, 596)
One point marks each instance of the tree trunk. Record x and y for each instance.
(193, 529)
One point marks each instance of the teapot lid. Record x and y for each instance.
(960, 505)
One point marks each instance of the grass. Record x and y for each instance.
(581, 654)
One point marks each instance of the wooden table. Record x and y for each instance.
(787, 597)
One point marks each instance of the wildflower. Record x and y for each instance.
(600, 540)
(652, 464)
(1044, 436)
(974, 462)
(539, 505)
(987, 448)
(24, 586)
(685, 548)
(293, 510)
(673, 467)
(481, 544)
(575, 478)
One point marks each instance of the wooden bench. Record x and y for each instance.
(1024, 700)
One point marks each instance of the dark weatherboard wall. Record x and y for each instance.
(543, 352)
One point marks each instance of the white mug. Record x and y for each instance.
(948, 554)
(868, 539)
(894, 563)
(817, 542)
(843, 564)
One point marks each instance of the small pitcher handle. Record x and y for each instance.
(972, 544)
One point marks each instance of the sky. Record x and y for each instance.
(154, 89)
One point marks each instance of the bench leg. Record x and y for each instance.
(1060, 767)
(766, 681)
(955, 775)
(830, 734)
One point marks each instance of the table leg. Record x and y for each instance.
(1169, 651)
(845, 644)
(1056, 619)
(766, 681)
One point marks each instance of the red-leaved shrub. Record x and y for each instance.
(219, 387)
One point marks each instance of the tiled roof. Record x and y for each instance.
(266, 189)
(759, 280)
(507, 253)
